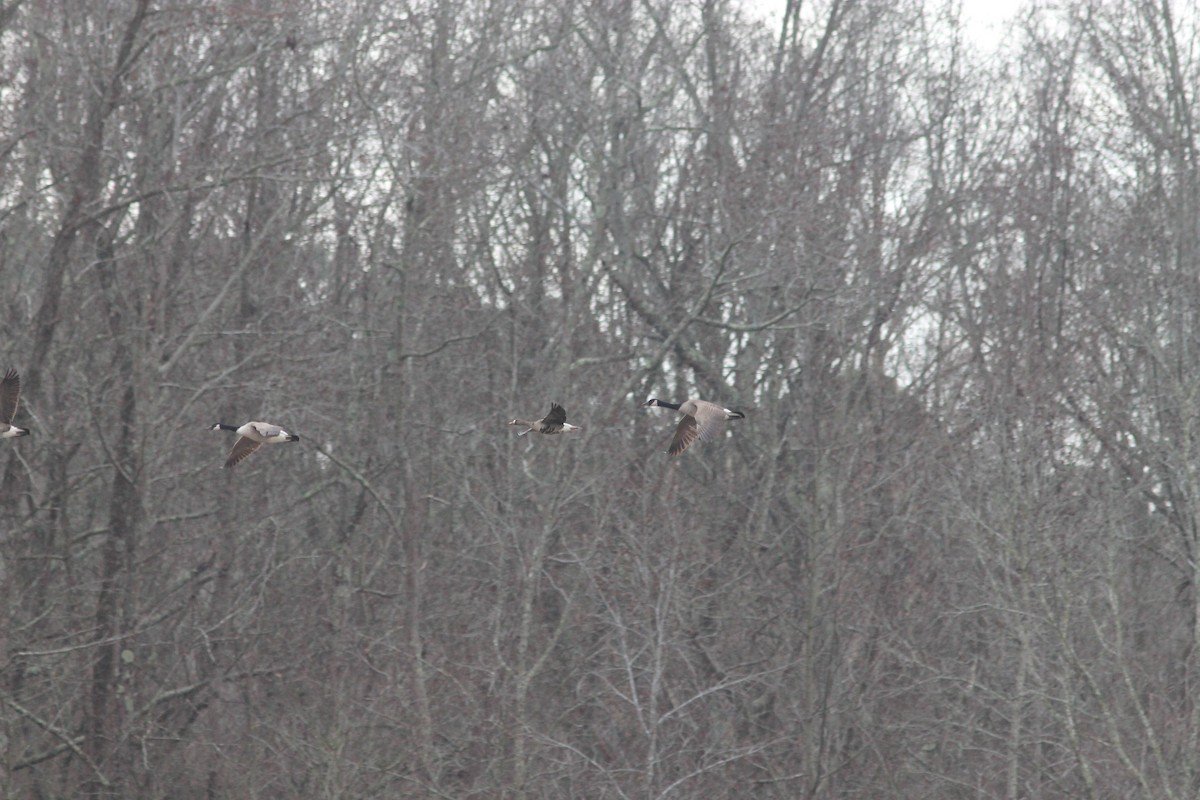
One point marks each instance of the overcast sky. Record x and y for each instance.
(984, 19)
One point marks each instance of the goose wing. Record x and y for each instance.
(685, 434)
(557, 415)
(242, 448)
(266, 430)
(710, 420)
(10, 394)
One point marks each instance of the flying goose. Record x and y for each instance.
(700, 419)
(554, 422)
(252, 436)
(10, 393)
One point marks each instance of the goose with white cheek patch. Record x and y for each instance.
(554, 422)
(252, 436)
(701, 420)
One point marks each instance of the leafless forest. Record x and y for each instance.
(952, 551)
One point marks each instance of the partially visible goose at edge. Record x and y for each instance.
(554, 422)
(701, 419)
(252, 436)
(10, 395)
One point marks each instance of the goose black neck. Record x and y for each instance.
(665, 404)
(225, 427)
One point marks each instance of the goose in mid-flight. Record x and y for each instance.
(701, 419)
(10, 395)
(252, 436)
(554, 422)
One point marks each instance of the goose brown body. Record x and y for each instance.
(701, 420)
(252, 436)
(554, 422)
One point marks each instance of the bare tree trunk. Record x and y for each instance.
(107, 713)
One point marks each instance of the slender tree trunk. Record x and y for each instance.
(106, 712)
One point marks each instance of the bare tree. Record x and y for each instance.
(949, 552)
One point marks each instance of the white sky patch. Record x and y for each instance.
(984, 21)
